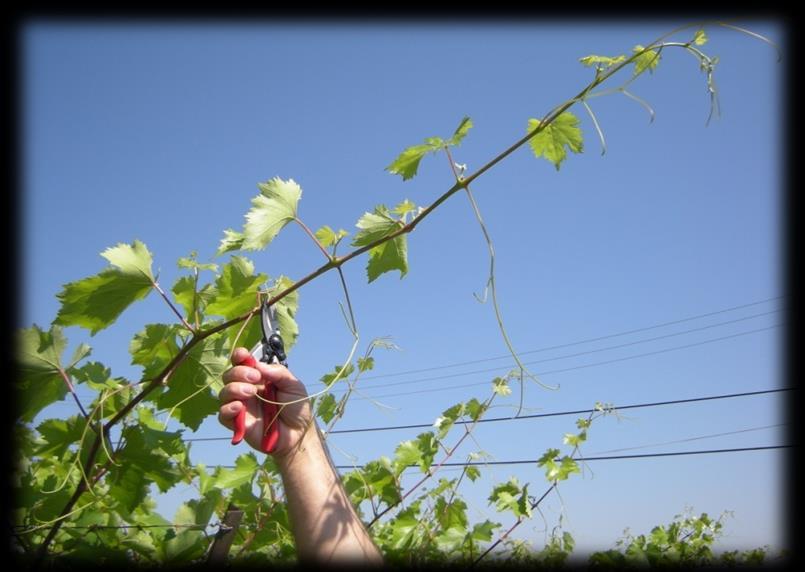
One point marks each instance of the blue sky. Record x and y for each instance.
(160, 132)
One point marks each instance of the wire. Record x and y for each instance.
(697, 438)
(538, 415)
(594, 364)
(619, 457)
(643, 341)
(585, 459)
(579, 342)
(23, 528)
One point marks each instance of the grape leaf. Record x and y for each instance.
(39, 381)
(575, 439)
(388, 256)
(447, 419)
(451, 539)
(509, 496)
(184, 290)
(193, 264)
(601, 62)
(328, 237)
(567, 467)
(548, 462)
(407, 163)
(404, 526)
(461, 132)
(416, 452)
(235, 289)
(366, 364)
(271, 210)
(473, 473)
(194, 385)
(232, 240)
(326, 408)
(137, 466)
(451, 515)
(96, 302)
(501, 386)
(648, 60)
(58, 435)
(482, 531)
(475, 408)
(188, 543)
(245, 468)
(560, 133)
(154, 347)
(285, 311)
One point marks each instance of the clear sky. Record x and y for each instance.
(160, 132)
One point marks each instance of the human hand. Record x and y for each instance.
(240, 391)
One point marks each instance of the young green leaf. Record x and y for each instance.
(482, 531)
(446, 420)
(404, 208)
(416, 452)
(366, 364)
(509, 496)
(326, 408)
(700, 38)
(501, 386)
(194, 385)
(548, 462)
(601, 62)
(404, 527)
(232, 240)
(388, 256)
(567, 467)
(96, 302)
(271, 211)
(648, 60)
(473, 473)
(58, 435)
(574, 440)
(285, 311)
(235, 289)
(154, 347)
(451, 539)
(184, 291)
(191, 263)
(551, 143)
(245, 469)
(39, 380)
(329, 378)
(407, 163)
(475, 408)
(328, 237)
(460, 132)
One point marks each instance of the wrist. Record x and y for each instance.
(307, 445)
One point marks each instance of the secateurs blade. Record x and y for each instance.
(270, 349)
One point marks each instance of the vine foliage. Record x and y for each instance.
(83, 484)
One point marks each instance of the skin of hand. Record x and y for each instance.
(324, 523)
(241, 385)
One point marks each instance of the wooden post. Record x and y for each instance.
(225, 535)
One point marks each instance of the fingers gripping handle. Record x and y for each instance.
(270, 414)
(240, 420)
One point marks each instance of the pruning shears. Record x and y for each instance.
(270, 349)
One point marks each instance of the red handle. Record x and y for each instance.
(270, 412)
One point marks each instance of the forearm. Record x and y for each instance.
(324, 522)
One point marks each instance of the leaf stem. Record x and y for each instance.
(313, 237)
(71, 389)
(156, 285)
